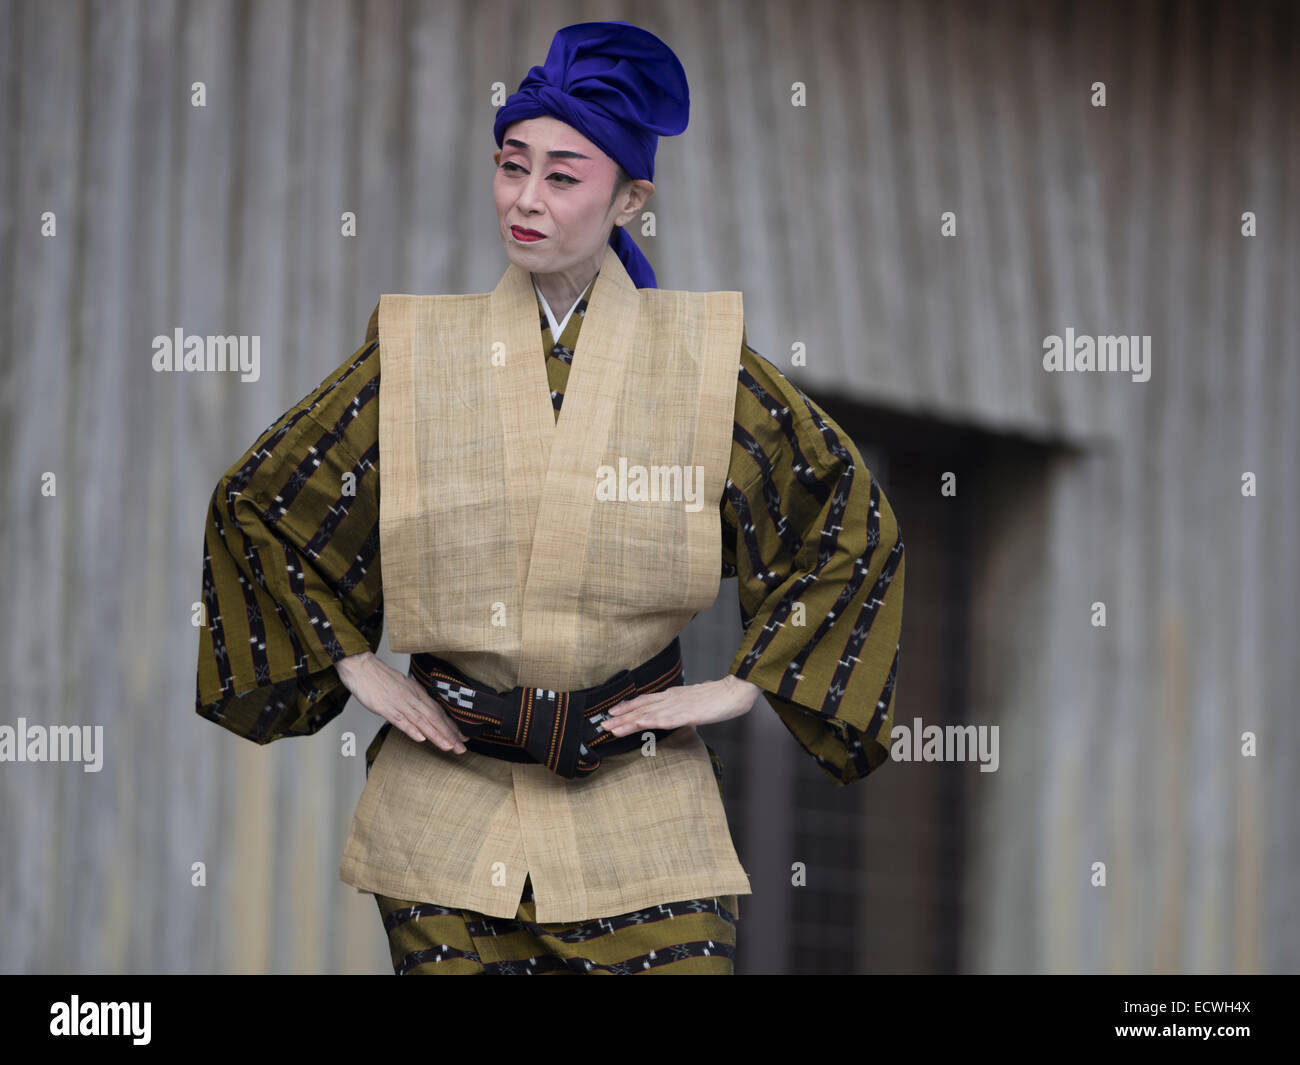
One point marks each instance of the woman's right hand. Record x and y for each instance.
(399, 699)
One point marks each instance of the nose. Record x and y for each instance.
(530, 192)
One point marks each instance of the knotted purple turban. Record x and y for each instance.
(619, 86)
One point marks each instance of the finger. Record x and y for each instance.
(400, 721)
(455, 738)
(444, 723)
(435, 711)
(440, 732)
(627, 725)
(422, 710)
(628, 706)
(447, 722)
(414, 713)
(439, 726)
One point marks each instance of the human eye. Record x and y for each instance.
(511, 166)
(568, 179)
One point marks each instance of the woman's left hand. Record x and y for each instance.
(686, 704)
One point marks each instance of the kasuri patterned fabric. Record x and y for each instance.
(687, 937)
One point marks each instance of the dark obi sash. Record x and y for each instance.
(556, 729)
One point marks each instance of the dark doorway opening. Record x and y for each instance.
(886, 856)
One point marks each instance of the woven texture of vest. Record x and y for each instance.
(501, 555)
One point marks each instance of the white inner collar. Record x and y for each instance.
(556, 329)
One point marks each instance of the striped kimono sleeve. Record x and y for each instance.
(818, 558)
(291, 576)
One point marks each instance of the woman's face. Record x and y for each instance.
(550, 180)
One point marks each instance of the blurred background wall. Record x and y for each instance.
(1120, 744)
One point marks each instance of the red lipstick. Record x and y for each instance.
(526, 236)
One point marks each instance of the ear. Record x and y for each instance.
(633, 199)
(496, 157)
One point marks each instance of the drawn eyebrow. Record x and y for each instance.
(559, 153)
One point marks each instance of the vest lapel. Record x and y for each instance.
(524, 404)
(578, 443)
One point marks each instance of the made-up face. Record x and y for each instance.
(552, 189)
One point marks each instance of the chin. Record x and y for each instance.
(523, 257)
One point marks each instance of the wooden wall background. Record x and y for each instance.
(1119, 744)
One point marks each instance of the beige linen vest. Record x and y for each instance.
(526, 550)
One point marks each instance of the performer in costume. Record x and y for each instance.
(545, 803)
